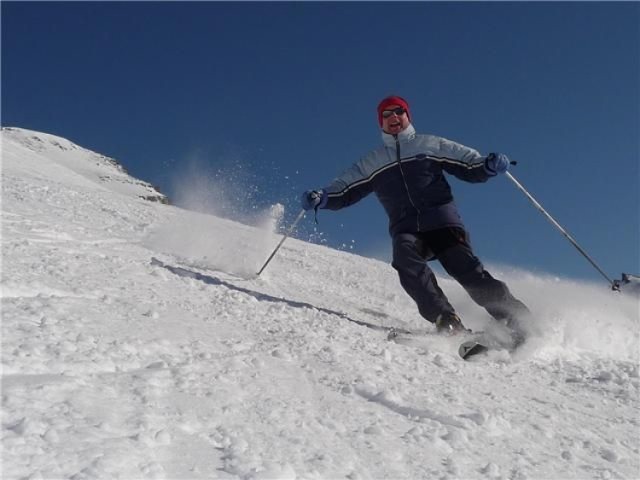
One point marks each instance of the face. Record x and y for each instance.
(394, 123)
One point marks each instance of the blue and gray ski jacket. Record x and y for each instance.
(406, 174)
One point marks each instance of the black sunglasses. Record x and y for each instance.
(398, 111)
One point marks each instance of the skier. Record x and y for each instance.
(407, 175)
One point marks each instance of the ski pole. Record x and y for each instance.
(286, 235)
(614, 285)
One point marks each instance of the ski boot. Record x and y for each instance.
(450, 324)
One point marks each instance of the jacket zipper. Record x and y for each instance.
(406, 186)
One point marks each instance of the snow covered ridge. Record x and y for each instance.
(136, 344)
(94, 166)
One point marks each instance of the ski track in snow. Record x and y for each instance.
(136, 345)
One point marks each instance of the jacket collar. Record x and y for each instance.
(404, 136)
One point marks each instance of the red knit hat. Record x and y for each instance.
(392, 100)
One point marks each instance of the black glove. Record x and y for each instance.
(496, 163)
(313, 198)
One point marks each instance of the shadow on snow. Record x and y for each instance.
(263, 297)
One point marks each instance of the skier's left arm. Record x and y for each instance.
(467, 164)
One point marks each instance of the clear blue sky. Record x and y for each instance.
(286, 93)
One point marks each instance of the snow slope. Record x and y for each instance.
(136, 344)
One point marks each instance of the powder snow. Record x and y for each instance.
(138, 343)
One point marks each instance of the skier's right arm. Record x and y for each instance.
(348, 188)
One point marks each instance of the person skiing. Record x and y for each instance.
(407, 175)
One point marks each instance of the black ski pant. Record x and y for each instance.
(451, 247)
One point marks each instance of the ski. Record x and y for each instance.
(470, 348)
(472, 343)
(395, 332)
(484, 344)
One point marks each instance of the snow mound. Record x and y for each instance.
(97, 168)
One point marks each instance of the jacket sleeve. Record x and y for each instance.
(462, 162)
(350, 187)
